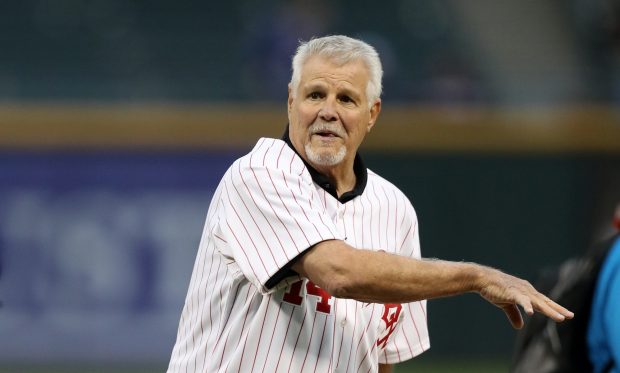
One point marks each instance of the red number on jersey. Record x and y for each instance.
(323, 305)
(293, 296)
(391, 314)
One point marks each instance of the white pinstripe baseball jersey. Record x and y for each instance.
(267, 210)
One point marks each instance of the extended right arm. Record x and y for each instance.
(380, 277)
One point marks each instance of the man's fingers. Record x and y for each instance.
(537, 301)
(560, 309)
(514, 315)
(549, 311)
(553, 310)
(525, 302)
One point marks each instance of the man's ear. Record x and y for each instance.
(375, 109)
(290, 98)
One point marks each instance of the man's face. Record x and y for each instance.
(329, 113)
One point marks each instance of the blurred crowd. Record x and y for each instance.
(475, 52)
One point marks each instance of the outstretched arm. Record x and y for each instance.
(380, 277)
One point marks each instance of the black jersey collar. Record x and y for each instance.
(361, 175)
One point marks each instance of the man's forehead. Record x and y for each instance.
(320, 68)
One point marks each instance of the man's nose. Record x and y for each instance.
(328, 111)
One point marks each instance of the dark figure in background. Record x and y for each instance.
(604, 328)
(590, 285)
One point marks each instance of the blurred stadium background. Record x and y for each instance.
(501, 122)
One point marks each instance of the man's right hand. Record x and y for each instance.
(508, 293)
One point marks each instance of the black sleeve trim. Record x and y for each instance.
(285, 271)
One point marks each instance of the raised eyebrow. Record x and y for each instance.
(314, 87)
(318, 86)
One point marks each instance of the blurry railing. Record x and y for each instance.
(581, 129)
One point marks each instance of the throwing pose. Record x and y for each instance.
(310, 262)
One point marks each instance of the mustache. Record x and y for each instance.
(318, 127)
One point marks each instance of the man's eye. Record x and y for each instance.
(315, 95)
(345, 98)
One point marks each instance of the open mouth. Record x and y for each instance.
(326, 134)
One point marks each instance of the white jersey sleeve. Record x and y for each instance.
(270, 213)
(408, 336)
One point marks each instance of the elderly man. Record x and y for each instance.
(309, 262)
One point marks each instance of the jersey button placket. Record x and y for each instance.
(339, 220)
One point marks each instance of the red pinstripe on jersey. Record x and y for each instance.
(267, 210)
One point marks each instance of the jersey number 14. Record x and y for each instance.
(294, 295)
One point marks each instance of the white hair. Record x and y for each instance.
(340, 50)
